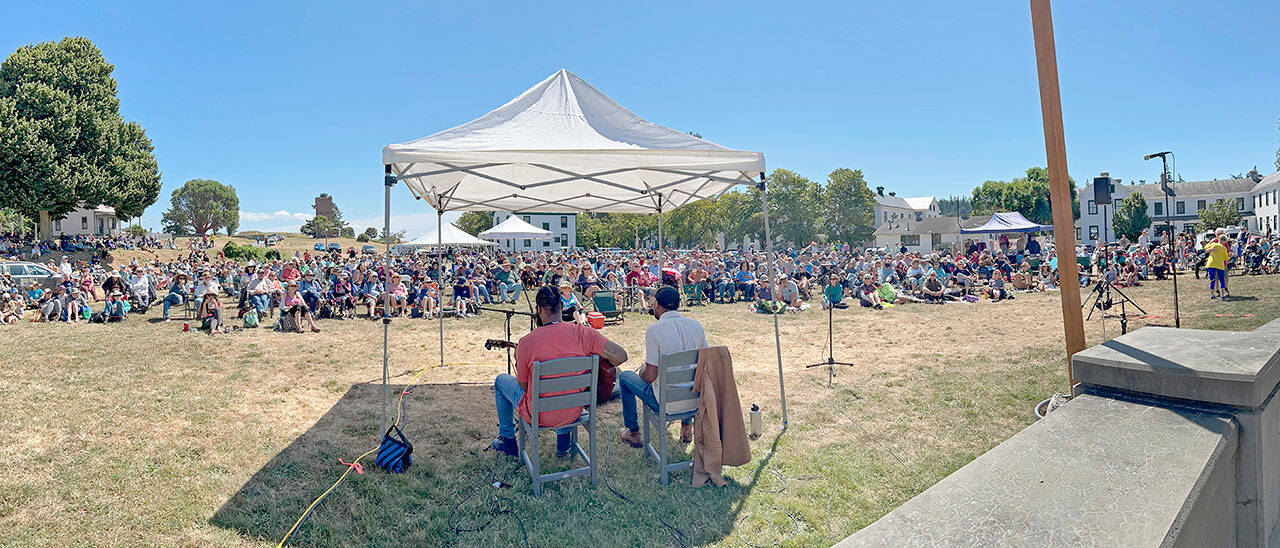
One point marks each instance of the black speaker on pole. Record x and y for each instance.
(1102, 190)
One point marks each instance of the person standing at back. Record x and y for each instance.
(672, 333)
(1216, 264)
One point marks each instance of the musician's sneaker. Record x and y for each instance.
(564, 444)
(505, 445)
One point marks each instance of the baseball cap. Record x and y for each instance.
(667, 297)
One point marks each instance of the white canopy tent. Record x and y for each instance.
(449, 236)
(563, 146)
(514, 228)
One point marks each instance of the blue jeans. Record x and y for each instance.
(261, 302)
(312, 299)
(115, 309)
(172, 299)
(506, 396)
(512, 288)
(634, 387)
(482, 294)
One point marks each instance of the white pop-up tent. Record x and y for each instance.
(514, 228)
(448, 236)
(563, 146)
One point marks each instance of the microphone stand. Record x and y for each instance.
(831, 362)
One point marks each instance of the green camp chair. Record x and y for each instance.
(607, 304)
(693, 294)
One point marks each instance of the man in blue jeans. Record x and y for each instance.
(552, 340)
(672, 333)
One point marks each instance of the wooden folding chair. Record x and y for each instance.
(557, 377)
(675, 384)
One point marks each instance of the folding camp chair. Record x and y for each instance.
(693, 294)
(555, 377)
(675, 383)
(607, 304)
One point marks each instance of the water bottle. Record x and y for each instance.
(756, 426)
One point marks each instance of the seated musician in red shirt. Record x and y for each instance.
(553, 339)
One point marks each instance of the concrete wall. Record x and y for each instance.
(1171, 440)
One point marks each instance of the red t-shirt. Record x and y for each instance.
(549, 342)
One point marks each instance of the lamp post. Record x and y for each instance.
(1167, 187)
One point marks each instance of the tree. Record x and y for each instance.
(1130, 217)
(319, 227)
(347, 232)
(1028, 195)
(135, 230)
(1219, 214)
(848, 210)
(63, 142)
(475, 222)
(202, 205)
(793, 206)
(396, 237)
(956, 206)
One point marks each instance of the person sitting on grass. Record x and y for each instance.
(73, 306)
(1047, 280)
(789, 293)
(889, 295)
(868, 293)
(997, 291)
(116, 309)
(672, 333)
(553, 339)
(931, 289)
(292, 304)
(833, 293)
(210, 312)
(10, 310)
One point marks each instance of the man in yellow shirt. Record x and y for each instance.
(1216, 263)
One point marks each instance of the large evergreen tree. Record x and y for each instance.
(1130, 217)
(62, 139)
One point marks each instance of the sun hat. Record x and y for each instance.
(565, 283)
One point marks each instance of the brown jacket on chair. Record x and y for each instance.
(719, 433)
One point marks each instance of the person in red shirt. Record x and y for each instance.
(553, 339)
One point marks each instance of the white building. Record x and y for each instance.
(891, 207)
(100, 220)
(1189, 198)
(928, 234)
(563, 227)
(1266, 196)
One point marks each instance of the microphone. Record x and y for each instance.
(1157, 154)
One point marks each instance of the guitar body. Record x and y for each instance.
(608, 372)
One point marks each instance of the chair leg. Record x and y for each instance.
(535, 470)
(644, 416)
(591, 435)
(662, 452)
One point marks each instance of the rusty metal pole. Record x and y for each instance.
(1059, 184)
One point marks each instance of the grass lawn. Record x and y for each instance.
(139, 434)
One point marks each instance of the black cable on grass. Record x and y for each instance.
(494, 505)
(676, 533)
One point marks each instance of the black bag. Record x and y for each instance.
(394, 455)
(98, 317)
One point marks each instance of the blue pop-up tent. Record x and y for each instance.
(1005, 223)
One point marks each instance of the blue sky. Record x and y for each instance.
(285, 100)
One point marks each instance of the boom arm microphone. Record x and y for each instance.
(1157, 155)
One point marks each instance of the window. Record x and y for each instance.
(1077, 233)
(1240, 204)
(1093, 208)
(557, 240)
(910, 239)
(546, 226)
(17, 270)
(564, 221)
(39, 270)
(919, 216)
(1199, 205)
(546, 243)
(84, 223)
(528, 243)
(564, 238)
(525, 217)
(1093, 232)
(1159, 208)
(1180, 208)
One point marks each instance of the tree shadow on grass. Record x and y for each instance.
(448, 496)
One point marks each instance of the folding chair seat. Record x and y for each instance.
(607, 304)
(675, 385)
(693, 294)
(547, 392)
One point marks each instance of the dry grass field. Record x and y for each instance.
(138, 434)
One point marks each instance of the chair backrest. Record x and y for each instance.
(675, 378)
(604, 301)
(562, 383)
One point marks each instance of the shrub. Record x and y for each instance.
(242, 253)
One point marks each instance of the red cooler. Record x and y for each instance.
(596, 319)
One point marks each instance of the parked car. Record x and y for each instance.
(24, 273)
(335, 246)
(319, 246)
(369, 250)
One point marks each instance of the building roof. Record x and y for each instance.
(920, 202)
(1215, 187)
(892, 201)
(1268, 182)
(931, 225)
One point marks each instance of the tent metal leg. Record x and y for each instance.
(440, 277)
(777, 338)
(389, 180)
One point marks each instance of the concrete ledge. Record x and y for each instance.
(1097, 471)
(1238, 369)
